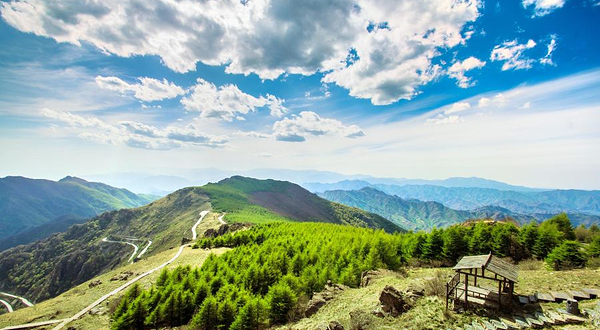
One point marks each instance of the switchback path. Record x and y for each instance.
(25, 301)
(202, 215)
(82, 312)
(145, 249)
(8, 306)
(221, 218)
(135, 247)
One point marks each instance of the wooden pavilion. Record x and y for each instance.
(463, 288)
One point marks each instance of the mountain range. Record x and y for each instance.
(26, 204)
(48, 267)
(168, 180)
(469, 198)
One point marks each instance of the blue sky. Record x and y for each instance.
(418, 89)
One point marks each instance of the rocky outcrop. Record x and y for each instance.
(94, 283)
(321, 298)
(394, 302)
(225, 229)
(314, 305)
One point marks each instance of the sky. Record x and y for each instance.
(504, 90)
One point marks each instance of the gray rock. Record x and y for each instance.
(314, 305)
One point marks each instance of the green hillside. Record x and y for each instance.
(252, 200)
(27, 203)
(410, 214)
(48, 267)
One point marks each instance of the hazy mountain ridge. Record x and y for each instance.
(469, 198)
(26, 203)
(415, 214)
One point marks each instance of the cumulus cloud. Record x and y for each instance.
(228, 101)
(137, 135)
(307, 123)
(543, 7)
(379, 50)
(148, 89)
(511, 52)
(458, 69)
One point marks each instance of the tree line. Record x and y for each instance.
(272, 267)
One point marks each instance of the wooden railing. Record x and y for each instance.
(451, 288)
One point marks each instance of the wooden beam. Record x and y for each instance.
(486, 277)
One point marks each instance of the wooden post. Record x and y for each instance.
(466, 290)
(475, 279)
(447, 295)
(499, 294)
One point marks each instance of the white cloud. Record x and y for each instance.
(547, 59)
(444, 120)
(262, 37)
(228, 102)
(253, 134)
(148, 89)
(511, 52)
(137, 135)
(458, 69)
(74, 120)
(457, 107)
(497, 101)
(307, 123)
(543, 7)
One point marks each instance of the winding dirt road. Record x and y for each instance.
(202, 215)
(221, 218)
(23, 300)
(124, 286)
(7, 305)
(135, 247)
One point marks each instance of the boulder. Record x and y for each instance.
(394, 302)
(335, 325)
(367, 276)
(314, 305)
(210, 233)
(94, 283)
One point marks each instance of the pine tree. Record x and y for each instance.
(433, 247)
(281, 300)
(207, 317)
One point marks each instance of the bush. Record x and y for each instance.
(566, 256)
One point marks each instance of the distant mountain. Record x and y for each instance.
(411, 213)
(467, 198)
(448, 183)
(46, 268)
(554, 201)
(27, 203)
(416, 215)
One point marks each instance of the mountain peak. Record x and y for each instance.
(73, 179)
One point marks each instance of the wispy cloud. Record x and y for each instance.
(135, 134)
